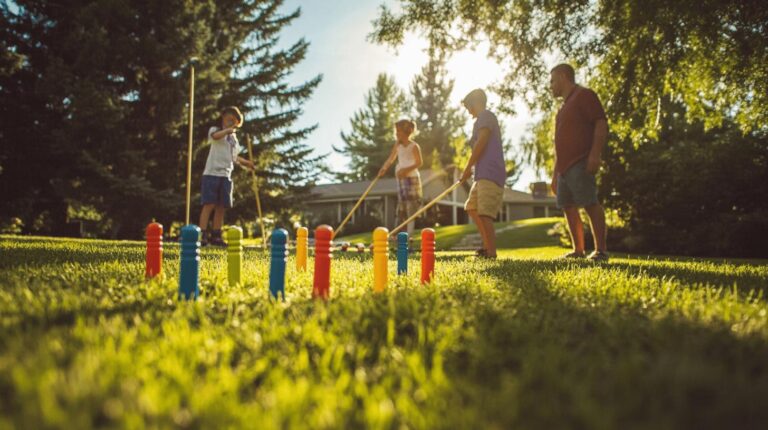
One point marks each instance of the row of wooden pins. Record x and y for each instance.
(189, 272)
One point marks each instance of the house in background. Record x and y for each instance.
(522, 205)
(330, 203)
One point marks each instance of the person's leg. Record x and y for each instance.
(471, 208)
(401, 214)
(410, 227)
(205, 215)
(575, 228)
(489, 200)
(490, 236)
(410, 208)
(477, 219)
(208, 198)
(224, 202)
(597, 222)
(576, 189)
(218, 218)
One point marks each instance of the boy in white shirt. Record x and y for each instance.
(216, 185)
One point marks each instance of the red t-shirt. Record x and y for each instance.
(575, 127)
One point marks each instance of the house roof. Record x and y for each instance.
(388, 186)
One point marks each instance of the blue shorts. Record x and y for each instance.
(576, 187)
(216, 190)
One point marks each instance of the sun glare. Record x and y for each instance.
(470, 68)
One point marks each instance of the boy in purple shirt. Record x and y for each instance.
(485, 197)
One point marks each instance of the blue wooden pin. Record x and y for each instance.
(189, 275)
(402, 253)
(277, 264)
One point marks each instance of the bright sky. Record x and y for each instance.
(339, 50)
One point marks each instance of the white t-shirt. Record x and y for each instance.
(406, 157)
(222, 155)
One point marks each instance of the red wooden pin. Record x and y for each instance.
(322, 281)
(154, 250)
(427, 255)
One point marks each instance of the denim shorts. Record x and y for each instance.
(576, 187)
(216, 190)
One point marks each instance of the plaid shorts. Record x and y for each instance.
(409, 189)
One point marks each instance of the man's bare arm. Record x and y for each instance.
(599, 138)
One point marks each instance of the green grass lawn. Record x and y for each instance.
(523, 342)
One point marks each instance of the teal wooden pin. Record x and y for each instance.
(189, 275)
(402, 253)
(277, 263)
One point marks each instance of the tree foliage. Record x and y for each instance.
(684, 85)
(439, 124)
(97, 109)
(372, 133)
(709, 54)
(438, 121)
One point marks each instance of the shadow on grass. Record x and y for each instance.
(24, 321)
(533, 360)
(745, 281)
(36, 253)
(744, 276)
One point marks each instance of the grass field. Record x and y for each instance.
(523, 342)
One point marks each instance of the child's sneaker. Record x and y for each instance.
(218, 242)
(216, 239)
(598, 256)
(204, 238)
(573, 255)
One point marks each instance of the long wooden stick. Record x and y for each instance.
(256, 192)
(189, 146)
(354, 208)
(425, 207)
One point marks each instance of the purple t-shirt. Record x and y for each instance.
(491, 164)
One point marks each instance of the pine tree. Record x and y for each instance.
(439, 123)
(100, 105)
(286, 167)
(372, 134)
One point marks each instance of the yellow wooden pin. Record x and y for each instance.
(380, 259)
(234, 254)
(301, 248)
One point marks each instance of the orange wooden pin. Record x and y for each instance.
(427, 255)
(154, 265)
(321, 286)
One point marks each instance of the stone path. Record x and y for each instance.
(473, 241)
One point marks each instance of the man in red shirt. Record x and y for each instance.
(581, 130)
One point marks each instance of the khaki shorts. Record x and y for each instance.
(485, 197)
